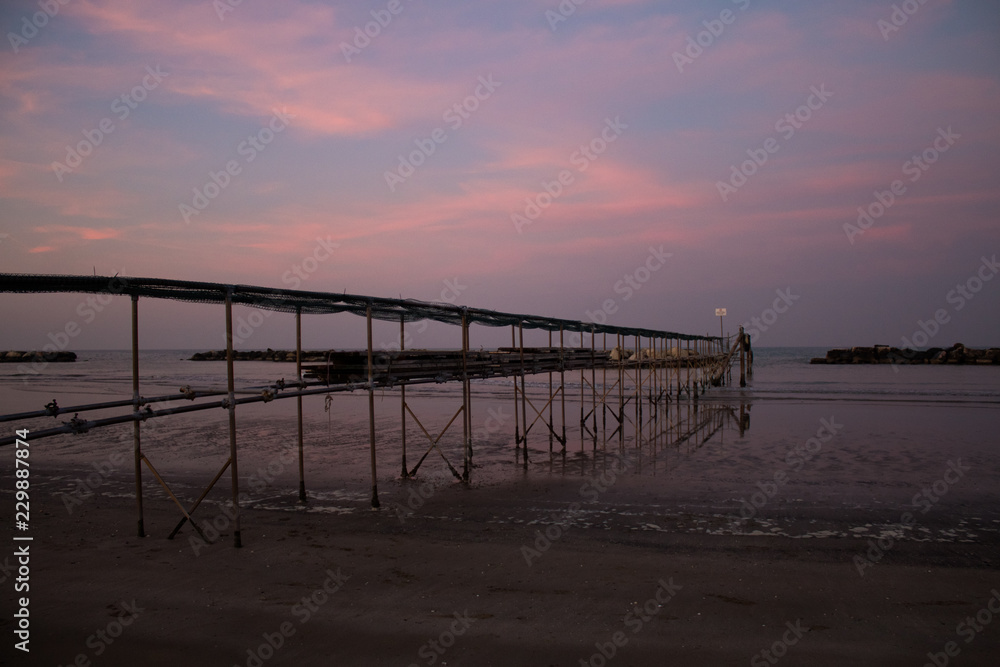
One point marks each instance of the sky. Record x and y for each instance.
(827, 172)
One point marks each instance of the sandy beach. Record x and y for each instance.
(606, 558)
(398, 587)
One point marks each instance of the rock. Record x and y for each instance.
(837, 356)
(883, 354)
(36, 357)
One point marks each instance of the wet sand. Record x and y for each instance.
(544, 567)
(403, 583)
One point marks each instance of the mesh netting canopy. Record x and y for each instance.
(291, 301)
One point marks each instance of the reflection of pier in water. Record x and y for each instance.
(675, 429)
(648, 377)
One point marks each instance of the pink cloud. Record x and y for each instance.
(277, 57)
(85, 233)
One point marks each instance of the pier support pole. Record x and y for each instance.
(517, 419)
(524, 406)
(136, 428)
(593, 383)
(562, 385)
(551, 407)
(371, 408)
(677, 367)
(621, 392)
(583, 404)
(231, 385)
(466, 401)
(402, 397)
(638, 391)
(604, 391)
(743, 372)
(687, 371)
(298, 400)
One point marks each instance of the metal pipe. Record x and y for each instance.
(402, 397)
(743, 372)
(371, 409)
(197, 502)
(298, 399)
(621, 392)
(593, 384)
(231, 381)
(517, 420)
(197, 407)
(604, 392)
(638, 391)
(551, 395)
(136, 429)
(524, 407)
(466, 418)
(562, 385)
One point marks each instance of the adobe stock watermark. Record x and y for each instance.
(635, 620)
(450, 293)
(590, 490)
(706, 38)
(914, 169)
(363, 36)
(86, 487)
(629, 285)
(303, 611)
(758, 325)
(122, 106)
(958, 298)
(88, 310)
(924, 501)
(786, 126)
(562, 12)
(223, 7)
(30, 27)
(455, 116)
(898, 17)
(434, 649)
(968, 629)
(581, 159)
(779, 649)
(419, 495)
(244, 327)
(258, 482)
(103, 638)
(248, 149)
(795, 459)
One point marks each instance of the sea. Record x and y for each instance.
(804, 450)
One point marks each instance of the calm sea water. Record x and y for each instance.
(780, 373)
(895, 430)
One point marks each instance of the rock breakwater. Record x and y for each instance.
(884, 354)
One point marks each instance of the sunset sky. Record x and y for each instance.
(663, 158)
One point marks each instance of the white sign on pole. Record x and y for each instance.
(720, 312)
